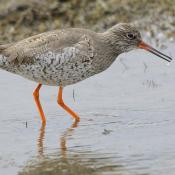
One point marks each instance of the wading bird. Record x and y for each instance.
(67, 56)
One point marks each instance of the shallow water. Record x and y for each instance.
(127, 122)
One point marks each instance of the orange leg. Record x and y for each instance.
(38, 104)
(61, 103)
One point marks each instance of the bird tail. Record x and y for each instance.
(3, 57)
(4, 46)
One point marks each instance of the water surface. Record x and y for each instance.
(127, 122)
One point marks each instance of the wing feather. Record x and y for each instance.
(26, 51)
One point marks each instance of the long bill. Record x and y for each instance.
(145, 46)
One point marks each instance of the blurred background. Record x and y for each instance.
(127, 112)
(21, 18)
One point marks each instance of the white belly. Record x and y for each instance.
(53, 69)
(55, 73)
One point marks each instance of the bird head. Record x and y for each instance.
(126, 37)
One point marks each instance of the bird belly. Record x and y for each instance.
(54, 77)
(55, 70)
(54, 74)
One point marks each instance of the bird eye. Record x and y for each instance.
(131, 36)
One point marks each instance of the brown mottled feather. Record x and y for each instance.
(26, 50)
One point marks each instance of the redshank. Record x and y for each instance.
(67, 56)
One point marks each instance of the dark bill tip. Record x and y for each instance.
(145, 46)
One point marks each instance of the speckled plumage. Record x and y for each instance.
(64, 57)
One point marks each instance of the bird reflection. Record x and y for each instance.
(63, 138)
(62, 163)
(41, 139)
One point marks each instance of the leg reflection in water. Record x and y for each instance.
(65, 161)
(63, 138)
(41, 140)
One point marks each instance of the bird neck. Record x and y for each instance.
(113, 42)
